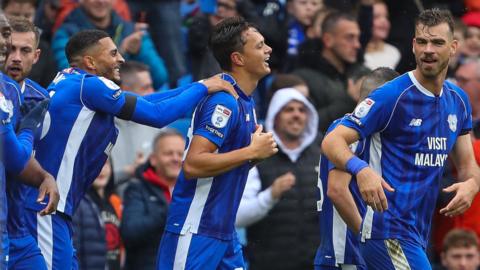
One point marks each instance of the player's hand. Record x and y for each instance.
(371, 187)
(464, 194)
(262, 145)
(283, 183)
(216, 83)
(35, 116)
(48, 187)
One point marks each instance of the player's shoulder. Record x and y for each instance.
(36, 87)
(334, 124)
(222, 98)
(450, 86)
(395, 87)
(9, 82)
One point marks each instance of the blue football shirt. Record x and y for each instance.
(79, 132)
(411, 134)
(32, 92)
(338, 244)
(208, 206)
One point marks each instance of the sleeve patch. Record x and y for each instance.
(220, 116)
(110, 84)
(363, 108)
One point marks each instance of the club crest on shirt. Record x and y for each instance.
(363, 108)
(6, 107)
(452, 122)
(220, 116)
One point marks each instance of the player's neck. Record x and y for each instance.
(245, 81)
(432, 84)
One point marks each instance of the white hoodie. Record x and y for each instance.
(255, 204)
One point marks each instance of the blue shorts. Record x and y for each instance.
(193, 251)
(3, 250)
(391, 254)
(25, 254)
(54, 238)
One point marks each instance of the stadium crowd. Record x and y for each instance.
(322, 54)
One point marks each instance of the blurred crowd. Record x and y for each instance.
(321, 51)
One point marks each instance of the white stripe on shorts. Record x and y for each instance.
(181, 253)
(45, 238)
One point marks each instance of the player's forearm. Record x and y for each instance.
(336, 149)
(161, 113)
(341, 197)
(200, 165)
(162, 95)
(33, 174)
(16, 149)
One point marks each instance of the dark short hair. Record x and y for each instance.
(332, 19)
(459, 238)
(227, 38)
(130, 67)
(375, 79)
(434, 17)
(81, 41)
(5, 3)
(22, 25)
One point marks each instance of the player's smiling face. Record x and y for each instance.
(256, 53)
(108, 59)
(433, 47)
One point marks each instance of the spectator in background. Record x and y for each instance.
(302, 13)
(467, 77)
(379, 53)
(97, 225)
(45, 16)
(147, 198)
(165, 22)
(315, 30)
(133, 41)
(459, 33)
(134, 140)
(278, 204)
(44, 68)
(460, 250)
(201, 58)
(472, 40)
(284, 27)
(333, 74)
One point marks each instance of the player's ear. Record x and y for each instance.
(453, 47)
(89, 62)
(36, 53)
(237, 59)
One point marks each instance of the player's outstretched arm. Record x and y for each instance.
(469, 175)
(342, 198)
(210, 83)
(202, 161)
(370, 184)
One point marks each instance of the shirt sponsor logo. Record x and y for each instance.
(214, 131)
(117, 94)
(220, 116)
(452, 122)
(415, 122)
(363, 108)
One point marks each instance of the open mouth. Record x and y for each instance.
(14, 69)
(266, 61)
